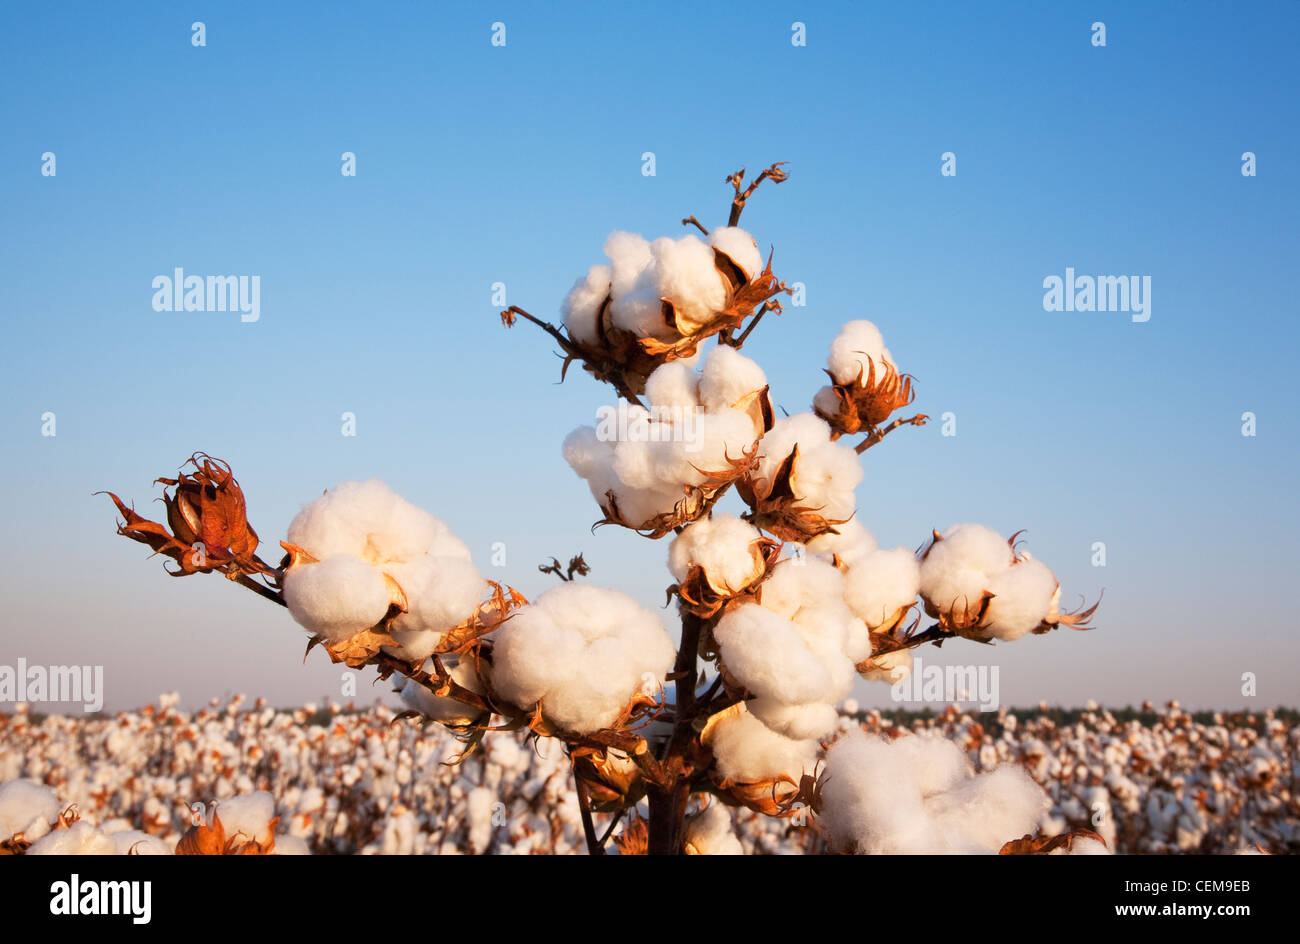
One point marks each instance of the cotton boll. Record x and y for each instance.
(993, 808)
(891, 667)
(1022, 597)
(709, 832)
(26, 808)
(249, 817)
(825, 472)
(582, 653)
(724, 546)
(365, 519)
(958, 567)
(858, 343)
(739, 247)
(135, 842)
(437, 708)
(337, 597)
(727, 377)
(683, 272)
(826, 401)
(291, 845)
(870, 799)
(878, 584)
(747, 751)
(1085, 846)
(80, 838)
(628, 254)
(765, 653)
(849, 543)
(795, 584)
(583, 304)
(798, 722)
(441, 592)
(673, 385)
(936, 764)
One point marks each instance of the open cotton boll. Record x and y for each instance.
(1085, 846)
(249, 817)
(727, 377)
(681, 271)
(871, 802)
(1022, 597)
(291, 845)
(992, 808)
(441, 592)
(849, 542)
(673, 385)
(583, 304)
(799, 722)
(724, 546)
(935, 763)
(748, 751)
(765, 653)
(80, 838)
(857, 343)
(958, 567)
(891, 667)
(740, 248)
(795, 584)
(825, 472)
(437, 708)
(628, 253)
(878, 584)
(27, 808)
(337, 597)
(582, 653)
(135, 842)
(365, 519)
(709, 832)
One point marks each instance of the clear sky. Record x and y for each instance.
(478, 164)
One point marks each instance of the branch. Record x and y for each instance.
(881, 432)
(594, 846)
(691, 220)
(774, 172)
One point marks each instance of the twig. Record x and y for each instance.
(775, 173)
(880, 432)
(758, 315)
(692, 221)
(584, 807)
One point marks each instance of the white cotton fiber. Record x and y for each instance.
(81, 838)
(727, 377)
(583, 303)
(291, 845)
(248, 818)
(799, 722)
(1022, 597)
(825, 472)
(709, 832)
(747, 751)
(582, 652)
(765, 653)
(724, 546)
(958, 568)
(437, 708)
(135, 842)
(363, 534)
(878, 584)
(891, 667)
(27, 808)
(674, 384)
(858, 343)
(739, 247)
(849, 543)
(917, 796)
(681, 271)
(336, 598)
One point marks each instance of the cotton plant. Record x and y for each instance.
(784, 601)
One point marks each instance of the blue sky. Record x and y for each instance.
(478, 164)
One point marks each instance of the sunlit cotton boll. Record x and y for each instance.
(959, 566)
(1022, 597)
(581, 652)
(825, 472)
(674, 385)
(709, 832)
(878, 584)
(739, 247)
(724, 546)
(27, 809)
(81, 838)
(248, 818)
(848, 543)
(857, 343)
(748, 751)
(727, 377)
(336, 598)
(681, 271)
(583, 304)
(764, 652)
(371, 521)
(135, 842)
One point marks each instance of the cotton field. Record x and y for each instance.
(373, 782)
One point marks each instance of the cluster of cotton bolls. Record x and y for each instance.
(367, 548)
(972, 575)
(919, 796)
(642, 275)
(356, 782)
(697, 425)
(580, 654)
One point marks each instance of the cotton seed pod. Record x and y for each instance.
(866, 401)
(708, 558)
(777, 509)
(612, 779)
